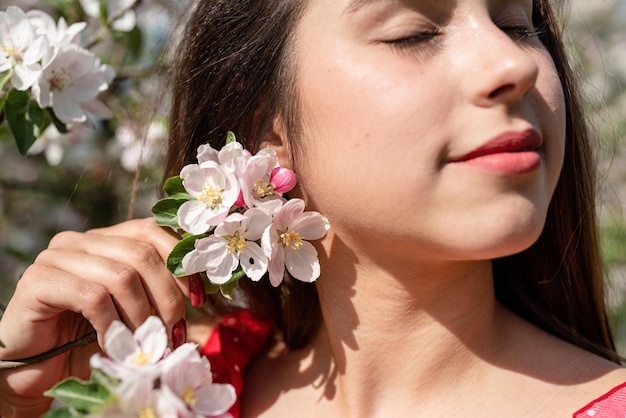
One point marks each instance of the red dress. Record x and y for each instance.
(239, 337)
(610, 405)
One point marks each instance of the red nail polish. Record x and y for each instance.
(179, 333)
(196, 292)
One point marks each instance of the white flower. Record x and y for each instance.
(21, 49)
(232, 243)
(58, 33)
(132, 151)
(256, 185)
(51, 142)
(140, 403)
(187, 389)
(215, 191)
(130, 353)
(124, 23)
(71, 80)
(286, 237)
(229, 157)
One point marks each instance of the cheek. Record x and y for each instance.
(553, 119)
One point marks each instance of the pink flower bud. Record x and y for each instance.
(283, 179)
(240, 200)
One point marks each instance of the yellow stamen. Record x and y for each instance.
(189, 396)
(147, 413)
(290, 239)
(141, 358)
(263, 189)
(211, 196)
(60, 80)
(236, 243)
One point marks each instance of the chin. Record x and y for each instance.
(504, 242)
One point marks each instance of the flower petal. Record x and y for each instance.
(311, 225)
(276, 266)
(118, 341)
(253, 261)
(151, 336)
(215, 399)
(302, 263)
(222, 273)
(257, 221)
(193, 217)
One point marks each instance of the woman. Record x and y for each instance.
(444, 143)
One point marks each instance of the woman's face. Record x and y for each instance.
(431, 128)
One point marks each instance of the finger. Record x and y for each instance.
(121, 280)
(138, 261)
(163, 239)
(42, 295)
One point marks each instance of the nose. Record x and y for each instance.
(499, 70)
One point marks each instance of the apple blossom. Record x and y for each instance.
(187, 389)
(124, 18)
(128, 353)
(21, 49)
(285, 238)
(70, 82)
(255, 180)
(231, 244)
(57, 33)
(214, 189)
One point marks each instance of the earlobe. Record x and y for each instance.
(276, 138)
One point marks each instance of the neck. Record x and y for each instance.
(393, 333)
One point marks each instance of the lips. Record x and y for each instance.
(508, 153)
(528, 140)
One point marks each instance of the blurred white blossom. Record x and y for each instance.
(126, 20)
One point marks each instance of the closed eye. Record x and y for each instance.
(415, 39)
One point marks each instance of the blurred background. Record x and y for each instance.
(107, 172)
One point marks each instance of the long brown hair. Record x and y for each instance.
(234, 72)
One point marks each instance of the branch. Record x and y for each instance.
(81, 342)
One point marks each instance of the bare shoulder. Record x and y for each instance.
(565, 373)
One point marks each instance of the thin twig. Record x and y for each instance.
(81, 342)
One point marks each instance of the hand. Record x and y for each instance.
(82, 282)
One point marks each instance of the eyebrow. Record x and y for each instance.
(355, 5)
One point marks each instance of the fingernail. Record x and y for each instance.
(179, 333)
(196, 291)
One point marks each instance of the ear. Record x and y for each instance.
(276, 139)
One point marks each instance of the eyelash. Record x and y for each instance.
(418, 38)
(520, 32)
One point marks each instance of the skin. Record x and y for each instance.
(83, 281)
(411, 324)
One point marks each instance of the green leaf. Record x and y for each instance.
(133, 40)
(2, 345)
(175, 259)
(26, 120)
(4, 79)
(229, 288)
(174, 189)
(230, 137)
(166, 211)
(65, 412)
(104, 13)
(99, 377)
(83, 396)
(61, 127)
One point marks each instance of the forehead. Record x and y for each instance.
(355, 5)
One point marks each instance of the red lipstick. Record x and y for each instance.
(510, 152)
